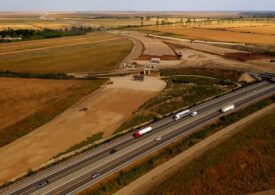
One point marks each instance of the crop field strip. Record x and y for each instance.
(89, 53)
(50, 43)
(57, 46)
(216, 35)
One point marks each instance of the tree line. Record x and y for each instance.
(30, 34)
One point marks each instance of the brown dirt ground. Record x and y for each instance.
(157, 175)
(195, 58)
(108, 109)
(152, 47)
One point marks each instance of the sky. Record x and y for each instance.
(137, 5)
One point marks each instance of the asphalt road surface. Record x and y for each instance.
(75, 175)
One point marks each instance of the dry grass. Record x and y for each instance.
(26, 104)
(90, 53)
(243, 164)
(217, 35)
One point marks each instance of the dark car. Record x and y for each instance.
(113, 151)
(42, 184)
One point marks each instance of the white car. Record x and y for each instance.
(158, 139)
(194, 113)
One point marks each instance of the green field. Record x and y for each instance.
(95, 52)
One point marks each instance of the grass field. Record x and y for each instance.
(89, 53)
(26, 104)
(221, 35)
(243, 164)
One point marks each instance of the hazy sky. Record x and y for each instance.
(137, 5)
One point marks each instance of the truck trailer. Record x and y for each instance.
(141, 132)
(228, 108)
(182, 114)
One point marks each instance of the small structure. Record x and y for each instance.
(155, 60)
(126, 65)
(83, 110)
(138, 77)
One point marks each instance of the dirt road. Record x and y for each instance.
(144, 183)
(108, 108)
(151, 47)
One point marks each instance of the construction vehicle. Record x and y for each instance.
(138, 77)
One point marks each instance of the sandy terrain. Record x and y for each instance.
(205, 47)
(218, 35)
(152, 47)
(194, 58)
(108, 109)
(144, 183)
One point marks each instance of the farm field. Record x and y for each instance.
(243, 164)
(215, 35)
(104, 115)
(256, 28)
(89, 53)
(26, 104)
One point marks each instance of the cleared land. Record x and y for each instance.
(151, 47)
(216, 35)
(90, 53)
(107, 110)
(241, 165)
(196, 58)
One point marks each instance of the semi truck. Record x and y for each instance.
(228, 108)
(182, 114)
(141, 132)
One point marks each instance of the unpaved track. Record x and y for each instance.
(160, 173)
(108, 108)
(151, 47)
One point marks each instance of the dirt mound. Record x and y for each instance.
(246, 56)
(246, 78)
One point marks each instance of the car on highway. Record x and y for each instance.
(194, 113)
(158, 138)
(42, 184)
(113, 151)
(95, 175)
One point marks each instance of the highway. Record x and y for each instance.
(74, 175)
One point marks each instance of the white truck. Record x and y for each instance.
(141, 132)
(228, 108)
(182, 114)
